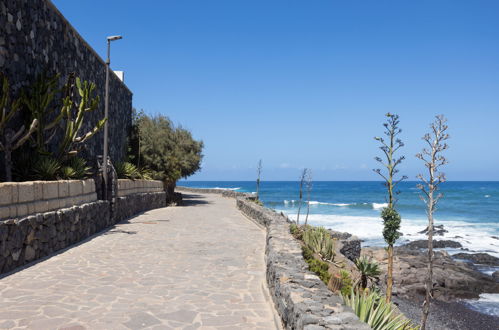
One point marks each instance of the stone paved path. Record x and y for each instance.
(198, 266)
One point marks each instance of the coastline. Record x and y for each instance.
(447, 315)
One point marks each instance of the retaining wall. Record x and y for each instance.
(19, 199)
(302, 300)
(35, 236)
(133, 204)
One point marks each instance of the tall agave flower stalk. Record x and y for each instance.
(391, 218)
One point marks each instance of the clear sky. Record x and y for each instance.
(307, 83)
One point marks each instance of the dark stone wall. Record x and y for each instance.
(36, 236)
(130, 205)
(34, 36)
(302, 300)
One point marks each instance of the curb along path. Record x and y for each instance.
(198, 266)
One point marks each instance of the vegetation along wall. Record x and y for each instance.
(36, 38)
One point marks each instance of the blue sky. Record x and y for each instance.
(307, 83)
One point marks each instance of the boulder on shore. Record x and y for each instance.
(438, 230)
(437, 244)
(452, 279)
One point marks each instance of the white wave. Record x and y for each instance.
(378, 206)
(324, 203)
(233, 189)
(477, 237)
(487, 303)
(486, 196)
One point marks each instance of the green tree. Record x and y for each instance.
(391, 218)
(169, 152)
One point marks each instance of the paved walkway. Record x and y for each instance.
(199, 266)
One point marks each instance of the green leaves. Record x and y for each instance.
(376, 312)
(319, 240)
(391, 221)
(168, 152)
(73, 140)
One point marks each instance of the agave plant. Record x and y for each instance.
(320, 241)
(374, 310)
(127, 170)
(47, 168)
(75, 169)
(368, 269)
(80, 168)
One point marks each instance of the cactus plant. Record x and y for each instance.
(10, 139)
(74, 115)
(38, 102)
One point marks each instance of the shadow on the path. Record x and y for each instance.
(114, 229)
(193, 200)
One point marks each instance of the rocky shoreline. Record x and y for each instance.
(456, 278)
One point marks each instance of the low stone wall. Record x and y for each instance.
(302, 300)
(223, 192)
(29, 238)
(128, 187)
(127, 206)
(19, 199)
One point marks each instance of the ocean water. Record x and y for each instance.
(468, 210)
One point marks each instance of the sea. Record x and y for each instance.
(468, 210)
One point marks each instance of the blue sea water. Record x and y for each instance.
(468, 210)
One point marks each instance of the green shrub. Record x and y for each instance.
(320, 268)
(308, 254)
(346, 282)
(320, 241)
(374, 310)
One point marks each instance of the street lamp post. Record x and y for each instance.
(106, 114)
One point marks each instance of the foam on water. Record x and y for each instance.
(475, 237)
(487, 303)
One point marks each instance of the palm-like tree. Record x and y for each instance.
(368, 269)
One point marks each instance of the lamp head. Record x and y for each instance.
(113, 38)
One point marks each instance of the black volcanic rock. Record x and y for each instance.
(478, 258)
(438, 230)
(437, 244)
